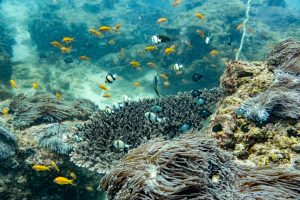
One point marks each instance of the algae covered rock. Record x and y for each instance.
(8, 143)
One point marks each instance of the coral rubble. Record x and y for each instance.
(192, 167)
(129, 124)
(42, 107)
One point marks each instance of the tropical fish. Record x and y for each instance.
(65, 49)
(135, 64)
(117, 28)
(201, 33)
(89, 188)
(166, 83)
(150, 48)
(13, 84)
(95, 32)
(106, 95)
(137, 84)
(170, 50)
(73, 175)
(178, 67)
(229, 40)
(68, 39)
(103, 87)
(110, 78)
(156, 39)
(111, 42)
(161, 20)
(208, 39)
(214, 52)
(84, 58)
(152, 117)
(176, 3)
(35, 85)
(105, 28)
(163, 76)
(151, 64)
(120, 145)
(196, 77)
(64, 181)
(54, 166)
(56, 44)
(240, 26)
(58, 96)
(41, 168)
(200, 15)
(5, 111)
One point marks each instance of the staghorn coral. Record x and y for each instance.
(8, 144)
(96, 151)
(42, 107)
(192, 167)
(282, 99)
(52, 137)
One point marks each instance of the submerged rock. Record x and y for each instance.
(8, 143)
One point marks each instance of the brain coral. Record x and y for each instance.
(192, 167)
(129, 124)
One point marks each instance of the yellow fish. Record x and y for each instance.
(170, 50)
(13, 84)
(5, 111)
(105, 28)
(176, 3)
(103, 87)
(151, 64)
(41, 168)
(68, 39)
(58, 96)
(240, 26)
(84, 58)
(73, 175)
(89, 188)
(65, 49)
(95, 32)
(136, 84)
(56, 44)
(117, 28)
(162, 20)
(135, 64)
(54, 166)
(214, 52)
(200, 15)
(150, 48)
(35, 85)
(106, 95)
(64, 181)
(164, 76)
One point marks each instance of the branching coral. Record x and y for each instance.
(8, 144)
(52, 137)
(42, 107)
(129, 124)
(192, 167)
(282, 99)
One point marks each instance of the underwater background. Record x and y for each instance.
(72, 49)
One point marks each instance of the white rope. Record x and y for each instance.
(244, 30)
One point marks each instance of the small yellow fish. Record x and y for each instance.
(84, 58)
(5, 111)
(54, 166)
(65, 49)
(240, 26)
(111, 42)
(200, 15)
(150, 48)
(58, 96)
(56, 44)
(89, 188)
(105, 28)
(35, 85)
(64, 181)
(214, 52)
(164, 76)
(161, 20)
(135, 64)
(103, 87)
(137, 84)
(106, 95)
(73, 175)
(13, 84)
(41, 168)
(176, 3)
(117, 27)
(95, 32)
(151, 64)
(170, 50)
(68, 39)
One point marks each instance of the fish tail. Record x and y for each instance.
(48, 168)
(72, 182)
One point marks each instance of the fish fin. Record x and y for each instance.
(72, 182)
(49, 168)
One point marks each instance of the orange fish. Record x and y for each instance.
(106, 95)
(84, 58)
(200, 15)
(162, 20)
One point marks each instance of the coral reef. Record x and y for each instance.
(282, 99)
(8, 143)
(42, 107)
(52, 138)
(129, 124)
(192, 167)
